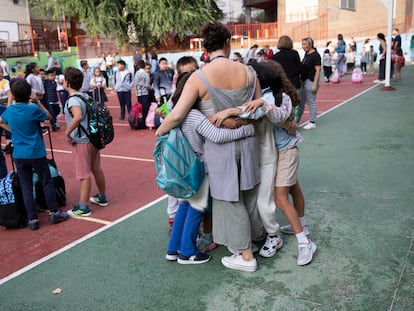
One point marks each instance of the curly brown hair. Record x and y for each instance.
(215, 36)
(287, 86)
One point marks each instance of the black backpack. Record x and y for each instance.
(100, 129)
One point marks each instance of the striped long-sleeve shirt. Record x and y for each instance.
(196, 127)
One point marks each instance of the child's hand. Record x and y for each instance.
(253, 105)
(218, 118)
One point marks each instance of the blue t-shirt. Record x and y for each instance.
(24, 121)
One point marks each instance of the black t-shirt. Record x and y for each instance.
(290, 61)
(308, 65)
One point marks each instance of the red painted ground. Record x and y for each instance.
(130, 183)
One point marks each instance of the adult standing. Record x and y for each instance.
(311, 70)
(290, 61)
(123, 83)
(233, 167)
(412, 49)
(397, 39)
(340, 54)
(382, 57)
(46, 37)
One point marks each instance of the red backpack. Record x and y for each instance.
(136, 117)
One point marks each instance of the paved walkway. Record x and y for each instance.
(357, 173)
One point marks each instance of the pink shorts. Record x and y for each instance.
(87, 159)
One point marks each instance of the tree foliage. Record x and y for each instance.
(149, 21)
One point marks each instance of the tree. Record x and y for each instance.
(148, 21)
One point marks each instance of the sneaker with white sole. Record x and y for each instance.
(289, 230)
(237, 262)
(272, 244)
(310, 126)
(171, 256)
(306, 252)
(99, 200)
(78, 211)
(193, 260)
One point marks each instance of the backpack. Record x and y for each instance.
(100, 129)
(357, 75)
(136, 117)
(150, 120)
(180, 172)
(334, 77)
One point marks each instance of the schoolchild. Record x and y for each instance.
(98, 86)
(23, 119)
(123, 83)
(196, 127)
(399, 63)
(51, 96)
(142, 86)
(87, 159)
(327, 65)
(286, 182)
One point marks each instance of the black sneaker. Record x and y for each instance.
(57, 217)
(193, 260)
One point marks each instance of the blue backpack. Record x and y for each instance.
(180, 172)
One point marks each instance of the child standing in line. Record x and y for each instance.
(327, 65)
(399, 63)
(51, 97)
(62, 93)
(98, 86)
(287, 183)
(23, 119)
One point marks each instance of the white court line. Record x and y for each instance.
(108, 156)
(73, 244)
(96, 232)
(402, 273)
(341, 104)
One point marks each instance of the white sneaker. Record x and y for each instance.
(237, 262)
(272, 244)
(306, 252)
(309, 126)
(379, 81)
(289, 230)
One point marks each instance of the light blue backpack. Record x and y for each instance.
(180, 172)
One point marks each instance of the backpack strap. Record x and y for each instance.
(83, 99)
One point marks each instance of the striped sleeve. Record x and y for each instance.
(278, 114)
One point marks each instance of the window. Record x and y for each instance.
(347, 5)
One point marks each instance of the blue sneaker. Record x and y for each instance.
(99, 200)
(77, 211)
(193, 260)
(33, 224)
(57, 217)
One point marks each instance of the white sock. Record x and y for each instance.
(302, 238)
(303, 221)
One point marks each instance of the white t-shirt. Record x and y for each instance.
(5, 68)
(4, 87)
